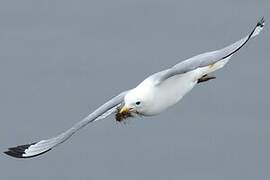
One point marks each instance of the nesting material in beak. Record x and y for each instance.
(123, 113)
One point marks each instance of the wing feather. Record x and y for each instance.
(207, 58)
(43, 146)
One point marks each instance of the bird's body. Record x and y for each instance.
(152, 96)
(161, 96)
(169, 92)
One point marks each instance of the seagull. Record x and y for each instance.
(152, 96)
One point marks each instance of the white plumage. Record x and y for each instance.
(152, 96)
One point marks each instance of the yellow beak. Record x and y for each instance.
(124, 109)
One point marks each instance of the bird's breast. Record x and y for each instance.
(171, 91)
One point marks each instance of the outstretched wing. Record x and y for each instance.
(207, 58)
(41, 147)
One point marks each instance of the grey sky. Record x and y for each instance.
(62, 59)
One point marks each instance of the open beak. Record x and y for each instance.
(124, 109)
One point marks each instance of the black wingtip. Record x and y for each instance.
(19, 151)
(261, 22)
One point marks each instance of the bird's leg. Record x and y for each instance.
(205, 78)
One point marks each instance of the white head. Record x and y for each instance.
(138, 100)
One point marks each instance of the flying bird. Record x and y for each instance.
(152, 96)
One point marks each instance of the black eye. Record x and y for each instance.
(138, 103)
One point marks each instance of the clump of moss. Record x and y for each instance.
(120, 117)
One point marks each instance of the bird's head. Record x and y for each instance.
(136, 102)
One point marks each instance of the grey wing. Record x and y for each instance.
(208, 58)
(38, 148)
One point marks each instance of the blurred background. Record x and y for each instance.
(59, 60)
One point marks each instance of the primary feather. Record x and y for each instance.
(155, 94)
(208, 58)
(38, 148)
